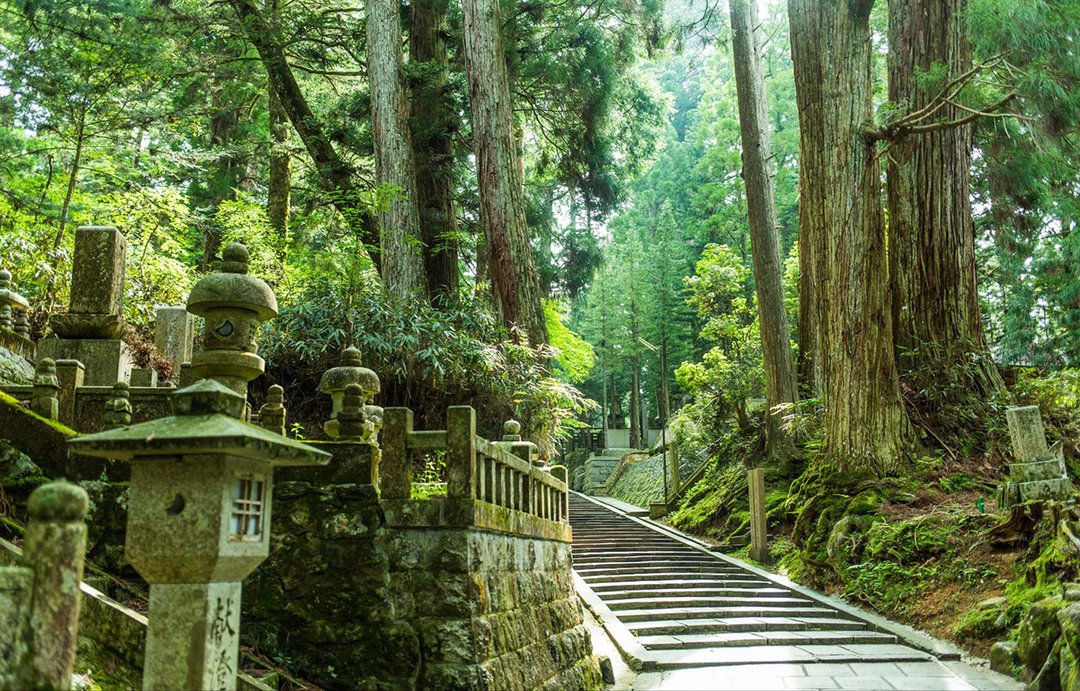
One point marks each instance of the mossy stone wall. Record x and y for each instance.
(492, 610)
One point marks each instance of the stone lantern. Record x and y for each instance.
(198, 523)
(511, 441)
(233, 305)
(336, 379)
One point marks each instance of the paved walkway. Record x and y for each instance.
(686, 618)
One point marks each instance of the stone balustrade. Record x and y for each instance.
(488, 487)
(14, 319)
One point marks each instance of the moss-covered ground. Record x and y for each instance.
(915, 549)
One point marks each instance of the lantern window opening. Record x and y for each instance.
(247, 508)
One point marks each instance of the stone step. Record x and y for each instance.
(679, 613)
(644, 561)
(622, 592)
(668, 569)
(730, 640)
(1039, 470)
(594, 555)
(665, 602)
(732, 578)
(707, 657)
(743, 625)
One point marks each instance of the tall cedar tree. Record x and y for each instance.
(399, 222)
(842, 237)
(499, 173)
(931, 233)
(764, 241)
(434, 123)
(336, 175)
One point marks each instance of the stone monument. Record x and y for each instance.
(1039, 471)
(512, 442)
(202, 488)
(174, 333)
(45, 400)
(90, 331)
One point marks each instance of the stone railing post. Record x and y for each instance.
(461, 452)
(44, 400)
(41, 596)
(559, 472)
(395, 472)
(759, 545)
(72, 375)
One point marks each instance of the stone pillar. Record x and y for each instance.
(71, 375)
(1026, 432)
(676, 472)
(460, 452)
(174, 335)
(395, 474)
(194, 636)
(759, 543)
(90, 331)
(45, 401)
(40, 597)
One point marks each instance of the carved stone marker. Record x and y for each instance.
(174, 334)
(272, 414)
(759, 543)
(90, 331)
(1039, 472)
(39, 598)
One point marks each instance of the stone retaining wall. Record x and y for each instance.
(492, 610)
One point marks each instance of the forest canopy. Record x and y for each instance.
(585, 213)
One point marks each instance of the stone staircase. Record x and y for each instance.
(671, 603)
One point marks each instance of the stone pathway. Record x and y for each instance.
(687, 618)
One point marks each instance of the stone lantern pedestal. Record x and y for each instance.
(198, 523)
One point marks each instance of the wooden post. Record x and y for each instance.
(395, 471)
(460, 452)
(759, 545)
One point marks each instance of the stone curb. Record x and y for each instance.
(912, 637)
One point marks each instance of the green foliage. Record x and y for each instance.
(574, 357)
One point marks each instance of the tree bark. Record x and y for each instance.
(222, 177)
(764, 241)
(932, 238)
(635, 404)
(433, 126)
(336, 175)
(502, 210)
(841, 219)
(73, 176)
(399, 221)
(279, 187)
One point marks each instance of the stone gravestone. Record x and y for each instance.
(90, 331)
(174, 335)
(1039, 472)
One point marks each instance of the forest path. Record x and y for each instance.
(689, 618)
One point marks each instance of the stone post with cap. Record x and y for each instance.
(45, 400)
(14, 325)
(201, 490)
(40, 596)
